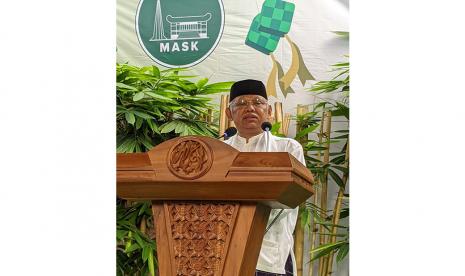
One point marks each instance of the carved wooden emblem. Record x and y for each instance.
(190, 158)
(201, 233)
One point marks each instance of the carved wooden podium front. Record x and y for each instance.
(211, 202)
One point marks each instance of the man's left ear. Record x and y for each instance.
(270, 110)
(228, 114)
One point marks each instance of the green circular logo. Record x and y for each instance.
(179, 33)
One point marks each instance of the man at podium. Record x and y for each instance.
(249, 109)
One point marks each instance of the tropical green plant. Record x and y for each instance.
(275, 130)
(336, 170)
(339, 84)
(135, 249)
(153, 106)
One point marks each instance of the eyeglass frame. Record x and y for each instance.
(233, 104)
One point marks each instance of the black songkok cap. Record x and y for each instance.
(247, 87)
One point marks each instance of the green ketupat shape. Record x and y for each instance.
(261, 41)
(276, 17)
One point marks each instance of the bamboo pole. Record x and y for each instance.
(299, 230)
(337, 210)
(223, 118)
(143, 226)
(210, 116)
(313, 233)
(286, 123)
(278, 115)
(324, 189)
(316, 198)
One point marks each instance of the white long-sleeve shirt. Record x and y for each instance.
(278, 241)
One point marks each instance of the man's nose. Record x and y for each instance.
(250, 106)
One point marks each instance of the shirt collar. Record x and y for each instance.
(253, 139)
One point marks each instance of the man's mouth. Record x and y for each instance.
(250, 116)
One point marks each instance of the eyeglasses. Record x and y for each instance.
(242, 103)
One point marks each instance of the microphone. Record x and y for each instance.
(266, 126)
(230, 131)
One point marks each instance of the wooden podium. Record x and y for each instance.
(211, 202)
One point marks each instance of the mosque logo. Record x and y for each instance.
(179, 33)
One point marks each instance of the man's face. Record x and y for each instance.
(248, 113)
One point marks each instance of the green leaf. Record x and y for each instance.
(341, 110)
(321, 254)
(180, 127)
(132, 247)
(120, 234)
(306, 131)
(186, 86)
(320, 105)
(337, 153)
(336, 178)
(343, 250)
(138, 96)
(341, 64)
(142, 115)
(216, 88)
(201, 83)
(147, 143)
(341, 137)
(275, 128)
(139, 240)
(338, 160)
(305, 217)
(326, 249)
(330, 224)
(220, 86)
(313, 159)
(130, 117)
(160, 97)
(186, 131)
(332, 235)
(310, 144)
(315, 148)
(127, 146)
(157, 112)
(120, 109)
(155, 71)
(329, 246)
(341, 168)
(166, 128)
(145, 253)
(139, 122)
(142, 209)
(153, 126)
(343, 34)
(125, 86)
(344, 213)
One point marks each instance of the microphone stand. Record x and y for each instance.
(266, 128)
(274, 220)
